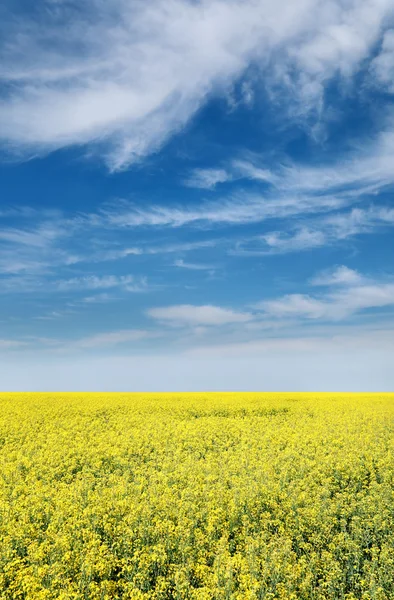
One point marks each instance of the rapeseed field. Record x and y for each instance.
(196, 496)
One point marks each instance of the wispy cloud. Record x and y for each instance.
(382, 66)
(34, 249)
(289, 189)
(336, 295)
(180, 263)
(56, 314)
(143, 69)
(103, 340)
(365, 169)
(97, 298)
(40, 237)
(94, 282)
(115, 254)
(34, 258)
(324, 231)
(292, 189)
(189, 315)
(111, 338)
(345, 224)
(146, 68)
(170, 248)
(148, 249)
(353, 296)
(338, 276)
(278, 242)
(207, 178)
(238, 209)
(237, 169)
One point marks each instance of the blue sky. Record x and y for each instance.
(197, 194)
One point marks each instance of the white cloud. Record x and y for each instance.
(249, 170)
(39, 237)
(120, 253)
(97, 298)
(298, 305)
(111, 338)
(339, 276)
(207, 178)
(189, 315)
(277, 242)
(116, 254)
(127, 75)
(95, 282)
(30, 258)
(56, 314)
(364, 170)
(252, 354)
(353, 296)
(318, 232)
(145, 69)
(291, 189)
(237, 169)
(24, 261)
(361, 297)
(34, 249)
(193, 266)
(97, 340)
(236, 210)
(382, 66)
(343, 37)
(358, 220)
(182, 246)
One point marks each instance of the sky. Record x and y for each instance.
(197, 195)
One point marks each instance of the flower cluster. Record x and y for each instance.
(196, 496)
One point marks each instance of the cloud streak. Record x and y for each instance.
(206, 315)
(328, 230)
(340, 276)
(288, 190)
(354, 295)
(239, 209)
(181, 264)
(94, 282)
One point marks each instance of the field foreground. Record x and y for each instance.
(197, 496)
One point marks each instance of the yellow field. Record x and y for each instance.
(200, 496)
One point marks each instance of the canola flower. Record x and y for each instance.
(197, 496)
